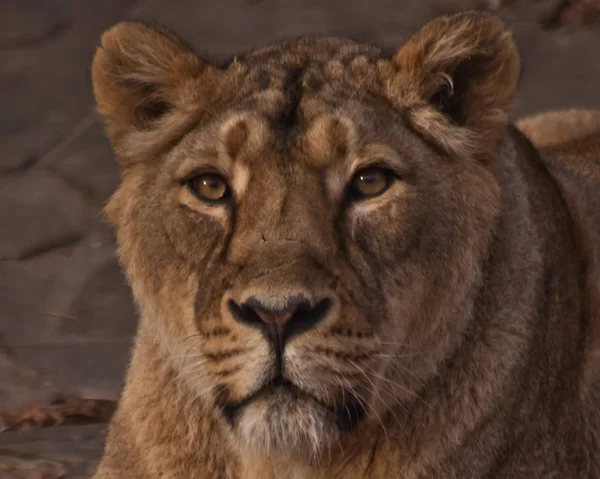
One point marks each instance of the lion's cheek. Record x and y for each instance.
(257, 368)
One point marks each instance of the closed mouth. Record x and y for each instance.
(346, 415)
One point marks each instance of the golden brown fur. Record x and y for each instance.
(454, 316)
(559, 128)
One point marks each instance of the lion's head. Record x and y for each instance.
(290, 222)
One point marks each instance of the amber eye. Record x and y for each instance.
(209, 187)
(370, 182)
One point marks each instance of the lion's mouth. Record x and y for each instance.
(346, 415)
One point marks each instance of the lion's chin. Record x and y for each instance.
(282, 419)
(282, 424)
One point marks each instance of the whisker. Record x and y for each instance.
(197, 373)
(403, 355)
(329, 372)
(191, 336)
(343, 403)
(354, 393)
(396, 343)
(190, 356)
(399, 365)
(412, 393)
(374, 392)
(391, 393)
(228, 372)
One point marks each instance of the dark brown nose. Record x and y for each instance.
(297, 315)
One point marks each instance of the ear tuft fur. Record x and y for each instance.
(147, 84)
(457, 77)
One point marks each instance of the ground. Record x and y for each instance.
(66, 316)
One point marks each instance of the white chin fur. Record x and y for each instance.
(288, 427)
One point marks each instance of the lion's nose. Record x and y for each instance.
(294, 315)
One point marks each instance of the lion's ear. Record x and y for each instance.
(457, 77)
(147, 84)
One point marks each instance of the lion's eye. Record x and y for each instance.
(370, 182)
(210, 187)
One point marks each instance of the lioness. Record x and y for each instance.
(347, 264)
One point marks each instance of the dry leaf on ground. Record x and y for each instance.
(61, 411)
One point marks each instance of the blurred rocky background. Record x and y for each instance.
(66, 315)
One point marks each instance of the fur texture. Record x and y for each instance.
(561, 129)
(456, 331)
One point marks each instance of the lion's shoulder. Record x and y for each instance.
(564, 130)
(569, 144)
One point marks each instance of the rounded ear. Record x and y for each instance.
(148, 87)
(457, 78)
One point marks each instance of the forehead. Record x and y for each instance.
(294, 82)
(320, 95)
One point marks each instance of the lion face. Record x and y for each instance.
(290, 223)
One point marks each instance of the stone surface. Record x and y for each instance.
(73, 451)
(27, 22)
(22, 295)
(72, 329)
(66, 315)
(44, 85)
(560, 69)
(39, 211)
(87, 163)
(19, 384)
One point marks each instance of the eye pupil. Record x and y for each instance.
(370, 178)
(211, 184)
(211, 188)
